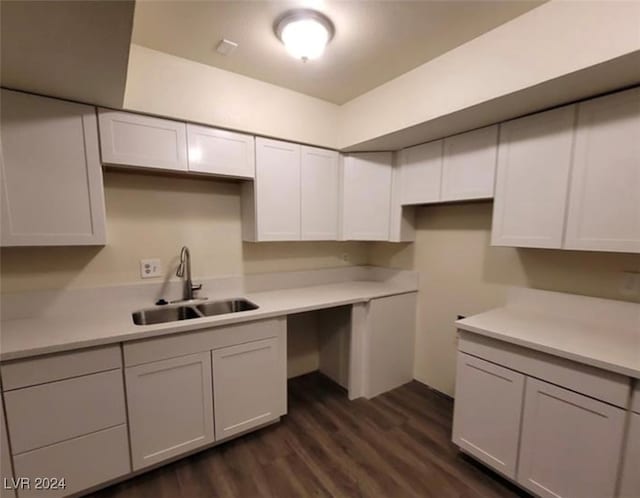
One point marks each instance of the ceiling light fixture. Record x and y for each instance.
(304, 33)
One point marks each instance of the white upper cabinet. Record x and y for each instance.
(142, 141)
(366, 196)
(421, 173)
(534, 159)
(604, 200)
(320, 179)
(50, 173)
(220, 152)
(469, 165)
(276, 190)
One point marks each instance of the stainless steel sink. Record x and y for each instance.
(229, 306)
(174, 313)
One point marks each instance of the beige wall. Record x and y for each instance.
(153, 216)
(548, 42)
(167, 85)
(461, 274)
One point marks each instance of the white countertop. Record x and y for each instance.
(20, 338)
(611, 344)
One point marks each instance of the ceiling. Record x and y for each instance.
(68, 49)
(375, 41)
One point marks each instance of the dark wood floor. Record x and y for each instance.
(396, 445)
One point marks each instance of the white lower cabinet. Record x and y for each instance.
(630, 479)
(551, 440)
(6, 469)
(570, 444)
(486, 421)
(170, 407)
(248, 381)
(83, 462)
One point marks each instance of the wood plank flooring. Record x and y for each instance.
(396, 445)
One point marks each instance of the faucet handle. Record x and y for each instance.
(196, 287)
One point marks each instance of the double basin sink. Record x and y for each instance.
(184, 311)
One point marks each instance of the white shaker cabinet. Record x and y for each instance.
(534, 161)
(50, 173)
(630, 480)
(170, 405)
(570, 446)
(271, 204)
(6, 469)
(604, 199)
(220, 152)
(421, 173)
(487, 412)
(128, 139)
(469, 165)
(319, 191)
(366, 196)
(249, 386)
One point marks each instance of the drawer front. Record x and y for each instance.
(50, 413)
(635, 400)
(600, 384)
(49, 368)
(83, 462)
(172, 346)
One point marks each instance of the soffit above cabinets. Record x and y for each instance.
(375, 41)
(72, 50)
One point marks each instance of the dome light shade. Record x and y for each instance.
(304, 33)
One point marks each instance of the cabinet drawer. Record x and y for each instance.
(600, 384)
(172, 346)
(83, 462)
(41, 369)
(635, 398)
(50, 413)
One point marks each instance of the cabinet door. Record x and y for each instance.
(6, 469)
(366, 196)
(630, 480)
(604, 201)
(170, 405)
(50, 173)
(390, 342)
(421, 173)
(277, 190)
(469, 165)
(534, 158)
(142, 141)
(248, 382)
(486, 418)
(220, 152)
(570, 444)
(319, 191)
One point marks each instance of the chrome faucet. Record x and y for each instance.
(184, 271)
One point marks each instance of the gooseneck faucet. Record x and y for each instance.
(184, 271)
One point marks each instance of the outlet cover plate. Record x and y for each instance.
(150, 268)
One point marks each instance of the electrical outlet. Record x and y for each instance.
(630, 283)
(345, 257)
(150, 268)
